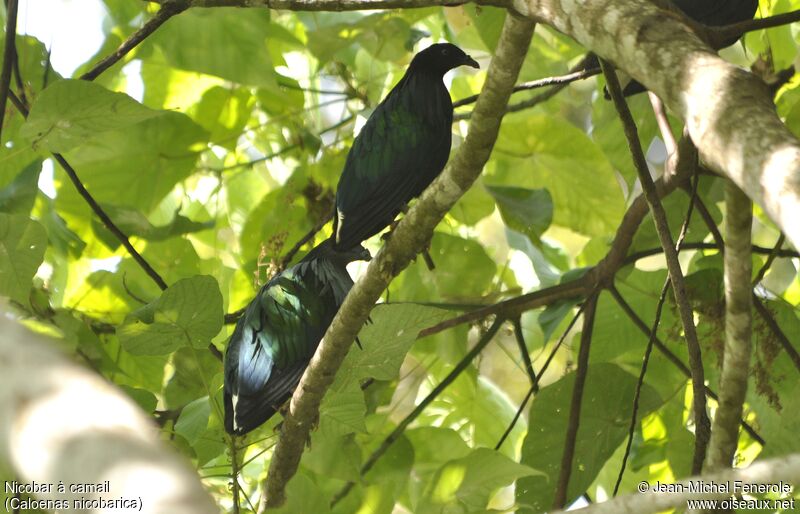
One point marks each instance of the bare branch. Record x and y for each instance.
(168, 9)
(108, 223)
(673, 266)
(738, 329)
(535, 386)
(9, 55)
(463, 364)
(560, 495)
(674, 359)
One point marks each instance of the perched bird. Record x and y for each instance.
(281, 328)
(712, 13)
(400, 150)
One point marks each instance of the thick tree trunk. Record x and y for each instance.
(60, 423)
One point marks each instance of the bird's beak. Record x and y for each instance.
(469, 61)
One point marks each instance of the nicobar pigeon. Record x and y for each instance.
(403, 146)
(712, 13)
(281, 328)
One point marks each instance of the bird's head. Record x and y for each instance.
(441, 58)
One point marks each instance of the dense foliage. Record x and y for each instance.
(226, 151)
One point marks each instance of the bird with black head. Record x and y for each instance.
(403, 146)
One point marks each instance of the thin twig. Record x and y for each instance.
(535, 387)
(772, 323)
(167, 11)
(738, 29)
(287, 258)
(674, 359)
(8, 58)
(640, 382)
(108, 223)
(560, 495)
(523, 350)
(568, 78)
(673, 266)
(770, 259)
(653, 331)
(485, 339)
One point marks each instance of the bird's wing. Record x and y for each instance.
(271, 347)
(718, 12)
(395, 150)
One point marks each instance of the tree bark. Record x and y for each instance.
(60, 423)
(738, 327)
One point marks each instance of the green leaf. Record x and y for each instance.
(188, 313)
(224, 112)
(388, 337)
(134, 223)
(303, 495)
(192, 373)
(193, 41)
(18, 196)
(545, 151)
(449, 279)
(22, 245)
(135, 167)
(194, 419)
(528, 211)
(385, 342)
(470, 481)
(605, 416)
(69, 112)
(489, 23)
(343, 409)
(144, 398)
(475, 205)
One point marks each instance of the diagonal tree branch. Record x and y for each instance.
(410, 237)
(673, 266)
(463, 364)
(168, 9)
(9, 56)
(738, 329)
(573, 424)
(674, 359)
(98, 210)
(736, 129)
(656, 319)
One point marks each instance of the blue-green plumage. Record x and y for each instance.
(279, 333)
(400, 150)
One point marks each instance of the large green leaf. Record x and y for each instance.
(194, 41)
(18, 196)
(545, 151)
(22, 245)
(385, 342)
(135, 167)
(188, 313)
(467, 483)
(69, 112)
(605, 416)
(528, 211)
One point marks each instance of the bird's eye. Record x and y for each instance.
(445, 51)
